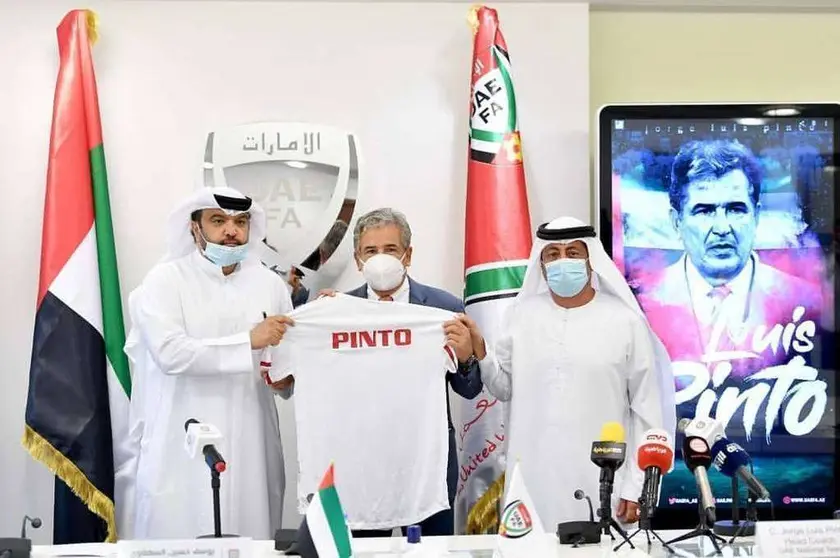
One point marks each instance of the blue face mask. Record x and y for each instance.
(566, 277)
(224, 256)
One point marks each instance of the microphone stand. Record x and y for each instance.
(215, 485)
(702, 530)
(747, 528)
(606, 520)
(736, 527)
(645, 525)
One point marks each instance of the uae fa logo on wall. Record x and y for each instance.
(306, 177)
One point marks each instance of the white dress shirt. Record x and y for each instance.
(706, 305)
(401, 294)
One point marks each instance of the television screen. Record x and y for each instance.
(722, 219)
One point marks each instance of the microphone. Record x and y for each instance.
(703, 427)
(698, 458)
(731, 459)
(204, 436)
(608, 454)
(580, 495)
(580, 532)
(34, 521)
(656, 458)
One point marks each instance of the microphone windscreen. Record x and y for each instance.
(655, 455)
(612, 432)
(729, 457)
(696, 453)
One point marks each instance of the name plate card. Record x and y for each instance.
(802, 539)
(233, 547)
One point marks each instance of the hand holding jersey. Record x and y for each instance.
(459, 339)
(270, 331)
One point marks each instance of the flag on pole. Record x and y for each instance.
(79, 379)
(498, 244)
(323, 533)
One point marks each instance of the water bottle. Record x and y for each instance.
(414, 546)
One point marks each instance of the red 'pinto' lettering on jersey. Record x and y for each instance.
(373, 338)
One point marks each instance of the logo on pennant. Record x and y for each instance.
(516, 520)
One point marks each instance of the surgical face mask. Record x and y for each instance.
(566, 277)
(221, 255)
(383, 272)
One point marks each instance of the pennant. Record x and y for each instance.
(521, 532)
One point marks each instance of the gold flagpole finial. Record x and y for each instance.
(472, 17)
(92, 22)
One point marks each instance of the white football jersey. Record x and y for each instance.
(370, 397)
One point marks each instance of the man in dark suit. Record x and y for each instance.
(382, 243)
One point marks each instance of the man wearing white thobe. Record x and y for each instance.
(577, 353)
(202, 320)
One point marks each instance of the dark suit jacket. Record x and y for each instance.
(466, 382)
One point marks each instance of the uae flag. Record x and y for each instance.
(323, 533)
(498, 245)
(78, 379)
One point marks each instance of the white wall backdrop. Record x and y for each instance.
(397, 75)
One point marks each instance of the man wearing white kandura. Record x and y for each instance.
(577, 353)
(203, 319)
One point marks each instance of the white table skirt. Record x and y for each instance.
(476, 546)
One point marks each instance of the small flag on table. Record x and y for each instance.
(521, 533)
(324, 532)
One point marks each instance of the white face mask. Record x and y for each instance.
(383, 272)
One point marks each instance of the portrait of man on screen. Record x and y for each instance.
(724, 230)
(720, 283)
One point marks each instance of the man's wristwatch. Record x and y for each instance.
(464, 366)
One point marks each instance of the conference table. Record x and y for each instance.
(474, 546)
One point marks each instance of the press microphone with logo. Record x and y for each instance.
(608, 454)
(656, 458)
(731, 459)
(204, 436)
(698, 459)
(703, 427)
